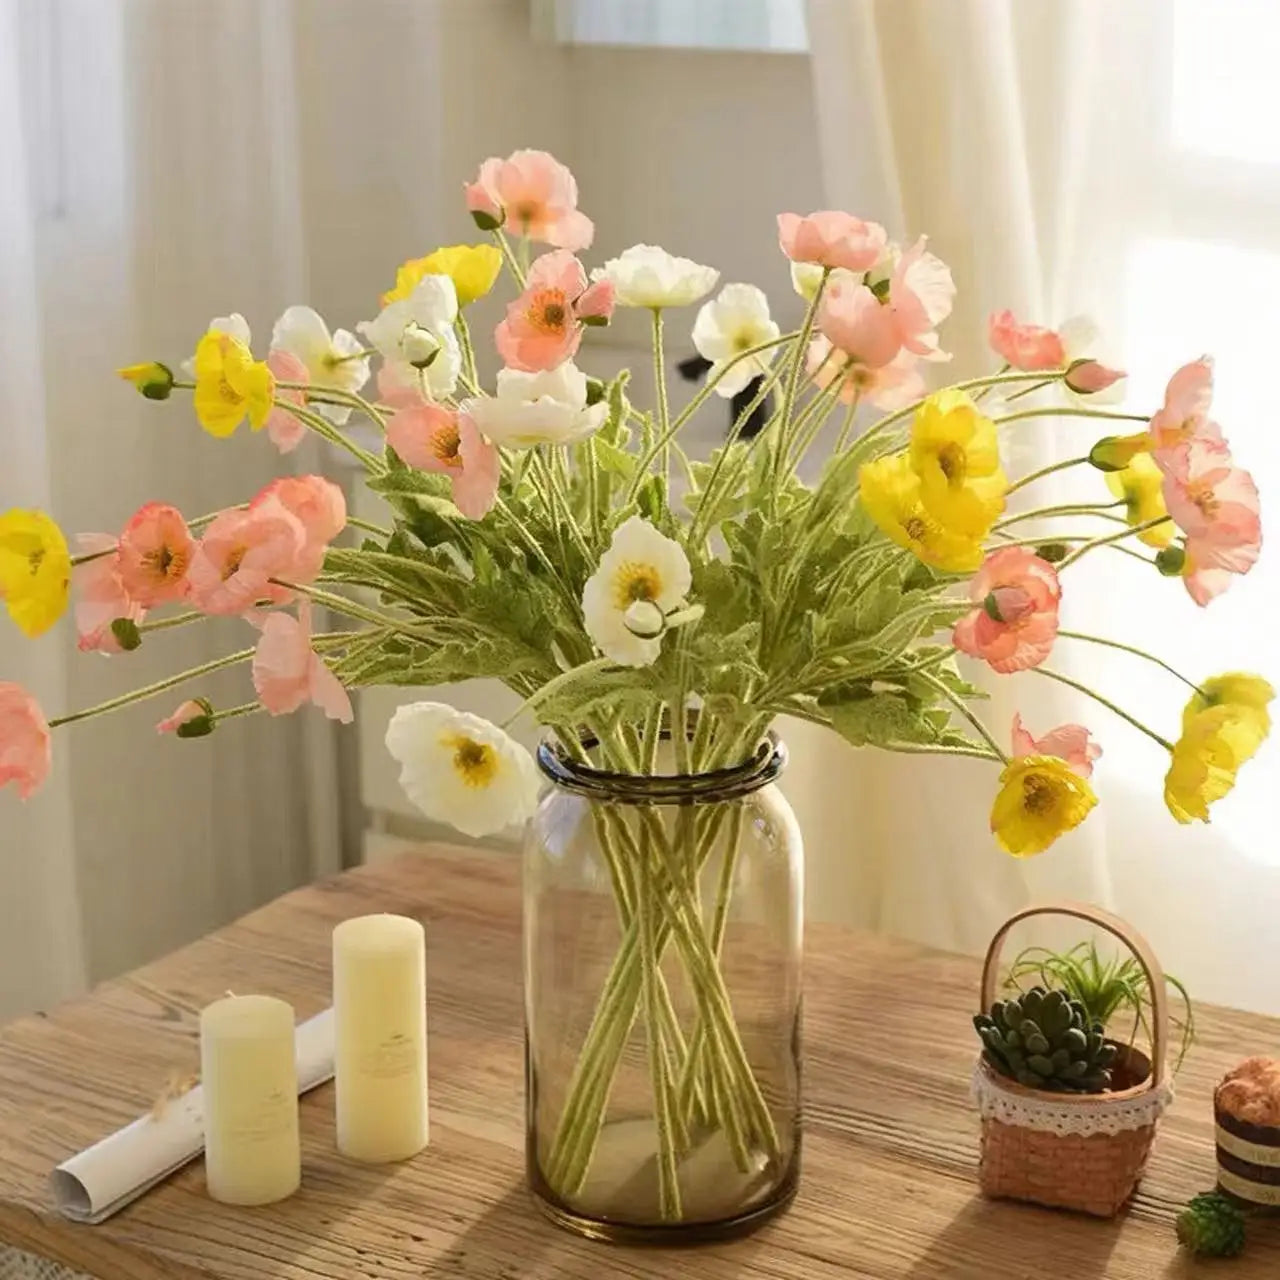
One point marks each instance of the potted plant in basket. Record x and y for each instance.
(534, 534)
(1069, 1111)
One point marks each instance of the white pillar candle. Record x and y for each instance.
(250, 1084)
(380, 1037)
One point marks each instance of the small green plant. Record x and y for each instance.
(1111, 990)
(1044, 1040)
(1211, 1226)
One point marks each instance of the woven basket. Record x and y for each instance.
(1074, 1151)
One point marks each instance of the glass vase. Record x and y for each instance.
(663, 934)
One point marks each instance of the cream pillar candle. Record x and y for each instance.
(250, 1082)
(380, 1037)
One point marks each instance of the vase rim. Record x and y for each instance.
(714, 786)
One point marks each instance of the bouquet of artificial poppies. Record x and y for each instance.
(548, 533)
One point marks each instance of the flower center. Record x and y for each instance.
(526, 213)
(35, 558)
(446, 444)
(915, 528)
(1204, 498)
(635, 582)
(475, 762)
(1039, 795)
(951, 461)
(231, 565)
(548, 311)
(227, 393)
(166, 564)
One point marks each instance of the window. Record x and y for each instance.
(768, 26)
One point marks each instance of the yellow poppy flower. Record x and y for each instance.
(154, 380)
(229, 384)
(35, 570)
(473, 268)
(1040, 799)
(1206, 759)
(891, 496)
(1140, 484)
(955, 452)
(1114, 453)
(1246, 696)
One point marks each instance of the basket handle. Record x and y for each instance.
(1113, 925)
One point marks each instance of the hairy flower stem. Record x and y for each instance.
(1032, 476)
(1130, 648)
(1113, 537)
(663, 442)
(1106, 702)
(798, 353)
(517, 272)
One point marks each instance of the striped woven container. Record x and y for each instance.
(1248, 1161)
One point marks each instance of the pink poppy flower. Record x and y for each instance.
(241, 551)
(543, 327)
(536, 194)
(287, 672)
(25, 754)
(1069, 742)
(285, 430)
(483, 206)
(1024, 346)
(101, 597)
(921, 293)
(194, 716)
(321, 508)
(852, 318)
(1203, 582)
(155, 551)
(892, 386)
(1016, 621)
(1215, 503)
(433, 438)
(830, 238)
(1184, 416)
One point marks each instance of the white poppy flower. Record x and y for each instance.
(396, 332)
(640, 565)
(646, 276)
(460, 769)
(735, 322)
(331, 360)
(530, 409)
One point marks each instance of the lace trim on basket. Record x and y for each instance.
(1049, 1115)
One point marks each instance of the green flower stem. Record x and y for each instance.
(793, 382)
(1071, 411)
(1008, 540)
(1132, 531)
(1033, 476)
(368, 526)
(232, 713)
(991, 380)
(177, 620)
(705, 392)
(327, 431)
(811, 420)
(846, 428)
(535, 548)
(149, 691)
(903, 748)
(559, 508)
(350, 609)
(1026, 391)
(958, 702)
(668, 1180)
(663, 442)
(468, 352)
(1106, 702)
(705, 503)
(1102, 510)
(515, 268)
(1130, 648)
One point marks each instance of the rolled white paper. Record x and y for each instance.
(380, 1037)
(252, 1151)
(102, 1179)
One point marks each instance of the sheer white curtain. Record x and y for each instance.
(1065, 158)
(152, 182)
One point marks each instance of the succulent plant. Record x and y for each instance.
(1211, 1226)
(1043, 1040)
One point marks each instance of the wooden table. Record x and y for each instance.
(890, 1146)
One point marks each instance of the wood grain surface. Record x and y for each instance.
(890, 1142)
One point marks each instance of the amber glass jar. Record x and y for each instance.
(663, 936)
